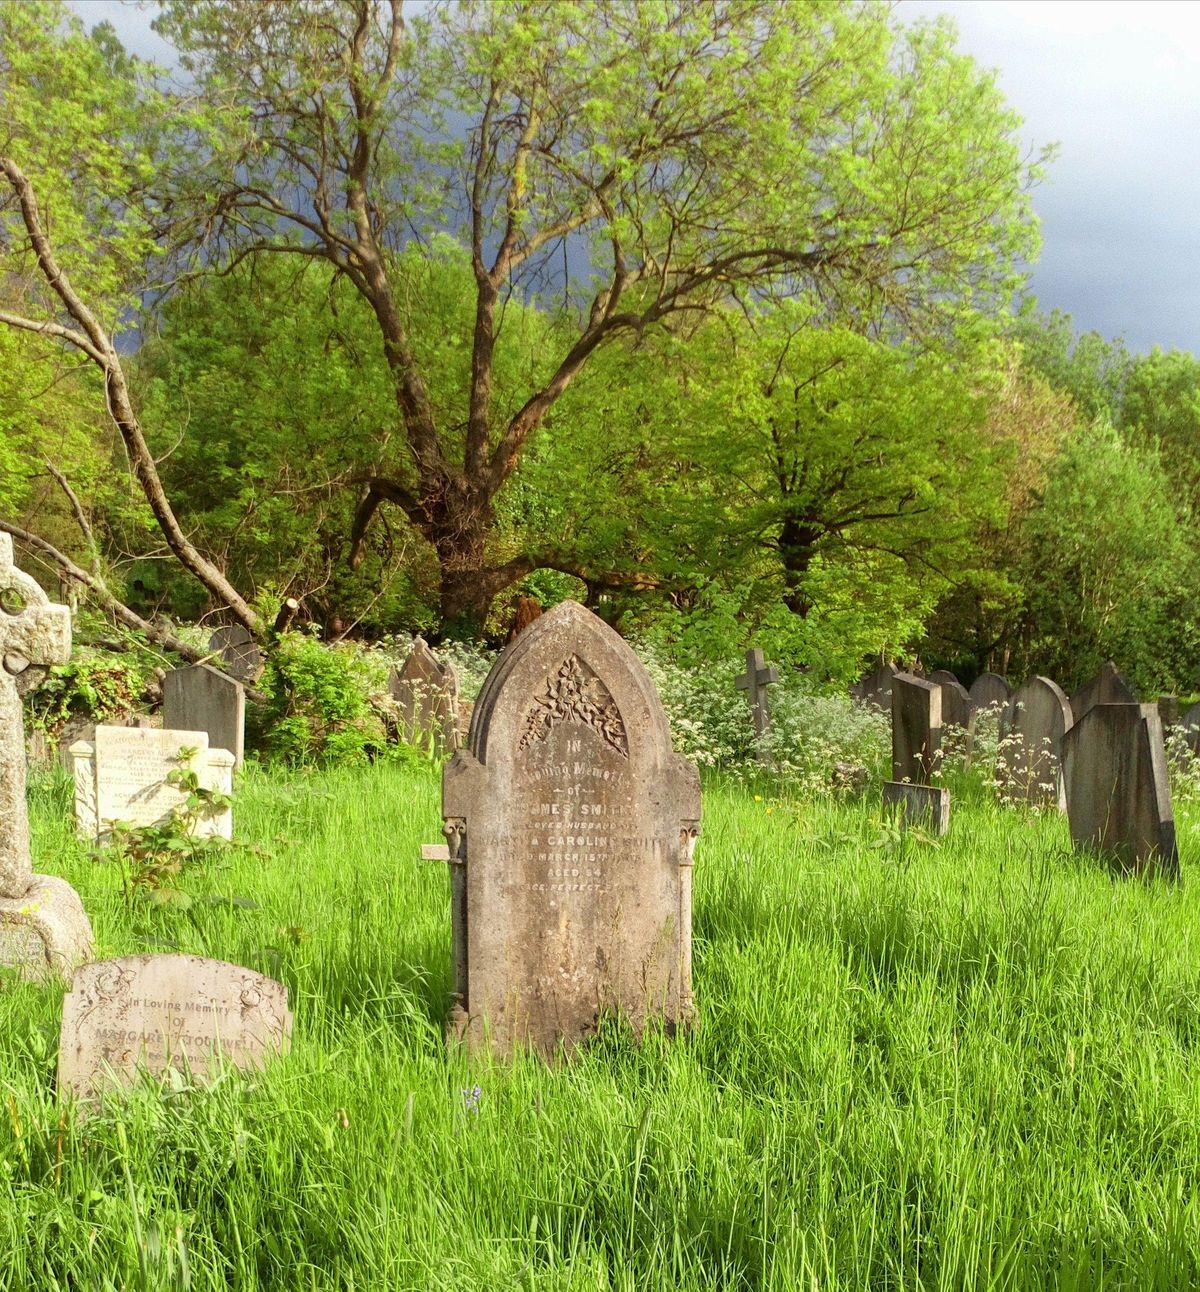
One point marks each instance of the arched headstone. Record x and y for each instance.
(1038, 717)
(990, 691)
(956, 702)
(571, 824)
(875, 688)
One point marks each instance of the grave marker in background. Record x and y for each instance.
(875, 688)
(202, 698)
(754, 681)
(426, 691)
(1189, 724)
(990, 691)
(1037, 719)
(1107, 687)
(571, 825)
(239, 651)
(150, 1013)
(916, 742)
(43, 927)
(1117, 790)
(122, 776)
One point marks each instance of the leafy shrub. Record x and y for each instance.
(93, 685)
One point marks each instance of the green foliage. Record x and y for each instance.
(96, 685)
(316, 711)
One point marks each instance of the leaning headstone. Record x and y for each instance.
(916, 744)
(754, 681)
(239, 651)
(1107, 687)
(43, 927)
(571, 825)
(426, 691)
(156, 1012)
(123, 775)
(875, 688)
(1118, 793)
(1032, 730)
(990, 691)
(202, 698)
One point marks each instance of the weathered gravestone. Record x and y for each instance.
(916, 742)
(1168, 710)
(1118, 793)
(990, 691)
(571, 825)
(957, 710)
(202, 698)
(152, 1013)
(1189, 724)
(43, 927)
(1107, 687)
(239, 651)
(875, 688)
(426, 691)
(754, 681)
(123, 775)
(1032, 733)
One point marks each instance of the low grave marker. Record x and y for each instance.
(426, 691)
(1117, 789)
(990, 691)
(122, 775)
(43, 927)
(239, 651)
(154, 1012)
(875, 688)
(570, 825)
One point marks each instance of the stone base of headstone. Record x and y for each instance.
(927, 806)
(45, 932)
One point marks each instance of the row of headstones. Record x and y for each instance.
(571, 826)
(1099, 757)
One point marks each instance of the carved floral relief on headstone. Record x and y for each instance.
(571, 825)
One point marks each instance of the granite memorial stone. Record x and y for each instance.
(154, 1012)
(1118, 793)
(1031, 744)
(571, 826)
(202, 698)
(426, 691)
(43, 927)
(122, 775)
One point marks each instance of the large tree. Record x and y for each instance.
(640, 160)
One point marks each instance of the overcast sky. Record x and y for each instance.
(1116, 84)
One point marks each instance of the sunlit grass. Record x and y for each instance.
(960, 1064)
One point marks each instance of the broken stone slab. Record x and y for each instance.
(151, 1013)
(1117, 788)
(926, 806)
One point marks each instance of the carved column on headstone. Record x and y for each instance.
(42, 923)
(455, 830)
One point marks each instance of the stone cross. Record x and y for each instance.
(42, 924)
(754, 681)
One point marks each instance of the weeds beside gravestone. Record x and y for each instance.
(875, 688)
(1029, 759)
(571, 825)
(426, 691)
(239, 651)
(141, 777)
(166, 1013)
(916, 750)
(1117, 791)
(43, 926)
(202, 698)
(1107, 687)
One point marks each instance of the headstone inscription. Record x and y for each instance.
(571, 825)
(754, 681)
(202, 698)
(43, 927)
(122, 775)
(990, 691)
(1107, 687)
(875, 688)
(1032, 730)
(916, 742)
(154, 1012)
(1118, 792)
(239, 651)
(426, 691)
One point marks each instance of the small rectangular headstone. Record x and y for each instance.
(202, 698)
(154, 1012)
(239, 651)
(122, 776)
(916, 728)
(927, 806)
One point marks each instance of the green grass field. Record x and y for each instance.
(959, 1065)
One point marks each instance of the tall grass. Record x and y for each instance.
(963, 1064)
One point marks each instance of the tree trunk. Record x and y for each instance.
(797, 543)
